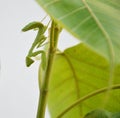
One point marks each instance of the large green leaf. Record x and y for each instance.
(77, 72)
(95, 22)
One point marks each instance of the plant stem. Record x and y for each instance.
(54, 33)
(86, 97)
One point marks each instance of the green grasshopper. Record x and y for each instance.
(39, 40)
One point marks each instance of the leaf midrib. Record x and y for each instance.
(75, 79)
(107, 37)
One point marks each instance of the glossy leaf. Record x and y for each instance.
(95, 22)
(77, 72)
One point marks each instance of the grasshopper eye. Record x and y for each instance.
(29, 61)
(33, 25)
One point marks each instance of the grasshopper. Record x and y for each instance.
(39, 40)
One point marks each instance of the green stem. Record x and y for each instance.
(54, 33)
(86, 97)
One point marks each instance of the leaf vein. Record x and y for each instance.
(50, 3)
(110, 47)
(71, 13)
(78, 25)
(75, 78)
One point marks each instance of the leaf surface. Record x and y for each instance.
(77, 72)
(95, 22)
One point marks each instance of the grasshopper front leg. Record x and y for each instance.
(40, 38)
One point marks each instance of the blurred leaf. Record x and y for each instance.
(77, 72)
(116, 115)
(98, 114)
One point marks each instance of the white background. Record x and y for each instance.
(18, 84)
